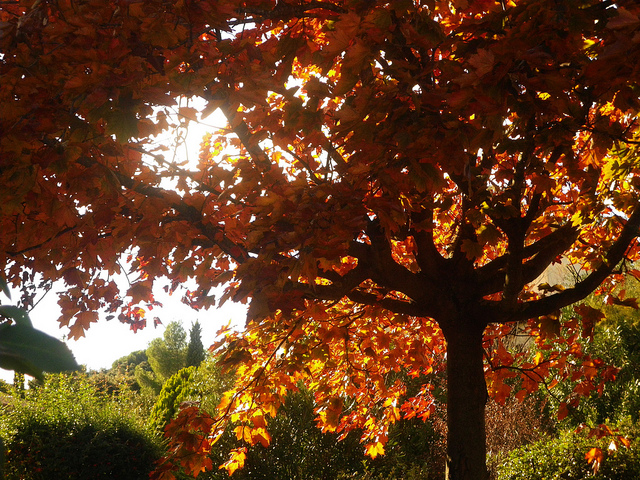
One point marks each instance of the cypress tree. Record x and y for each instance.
(195, 349)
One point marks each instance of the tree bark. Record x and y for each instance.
(467, 397)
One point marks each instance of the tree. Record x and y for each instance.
(130, 361)
(167, 355)
(164, 357)
(150, 384)
(393, 178)
(195, 350)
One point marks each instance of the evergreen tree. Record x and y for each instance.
(195, 350)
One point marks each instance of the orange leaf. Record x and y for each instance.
(563, 411)
(189, 113)
(260, 435)
(624, 441)
(595, 456)
(258, 420)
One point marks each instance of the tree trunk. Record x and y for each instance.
(467, 397)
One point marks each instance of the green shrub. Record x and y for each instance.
(175, 391)
(66, 429)
(563, 458)
(300, 451)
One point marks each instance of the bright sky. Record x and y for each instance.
(107, 341)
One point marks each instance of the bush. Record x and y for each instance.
(67, 429)
(563, 458)
(300, 451)
(175, 391)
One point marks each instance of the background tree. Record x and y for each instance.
(395, 177)
(129, 362)
(195, 350)
(123, 369)
(164, 357)
(167, 355)
(298, 448)
(19, 383)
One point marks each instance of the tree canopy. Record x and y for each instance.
(393, 178)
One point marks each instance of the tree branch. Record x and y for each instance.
(186, 212)
(386, 272)
(391, 304)
(541, 254)
(429, 259)
(241, 129)
(41, 244)
(567, 297)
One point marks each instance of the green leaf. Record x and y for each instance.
(5, 287)
(27, 350)
(17, 314)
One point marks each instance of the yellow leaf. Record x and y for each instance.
(243, 433)
(375, 449)
(538, 358)
(224, 403)
(236, 461)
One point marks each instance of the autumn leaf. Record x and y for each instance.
(140, 292)
(472, 249)
(482, 61)
(623, 19)
(374, 449)
(260, 435)
(82, 322)
(563, 411)
(236, 460)
(595, 457)
(189, 113)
